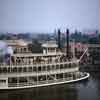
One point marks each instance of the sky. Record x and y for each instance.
(48, 15)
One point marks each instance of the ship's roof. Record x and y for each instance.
(19, 42)
(50, 44)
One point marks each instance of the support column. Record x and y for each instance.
(55, 73)
(31, 61)
(63, 72)
(27, 80)
(37, 74)
(47, 50)
(59, 66)
(26, 64)
(17, 81)
(15, 59)
(55, 50)
(27, 60)
(46, 74)
(27, 49)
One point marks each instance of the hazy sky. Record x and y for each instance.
(46, 15)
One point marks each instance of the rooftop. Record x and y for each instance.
(50, 44)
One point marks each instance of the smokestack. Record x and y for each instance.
(67, 42)
(59, 39)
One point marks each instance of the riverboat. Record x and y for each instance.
(20, 68)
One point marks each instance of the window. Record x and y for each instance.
(61, 66)
(2, 81)
(57, 66)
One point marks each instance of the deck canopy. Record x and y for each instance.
(49, 47)
(50, 44)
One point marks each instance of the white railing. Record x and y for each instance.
(24, 74)
(36, 83)
(44, 64)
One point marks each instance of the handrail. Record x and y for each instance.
(44, 64)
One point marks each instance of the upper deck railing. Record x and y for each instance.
(37, 54)
(39, 64)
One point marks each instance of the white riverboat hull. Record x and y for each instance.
(87, 75)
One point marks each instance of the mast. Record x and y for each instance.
(59, 39)
(73, 49)
(67, 42)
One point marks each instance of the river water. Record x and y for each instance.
(84, 90)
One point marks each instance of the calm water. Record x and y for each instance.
(84, 90)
